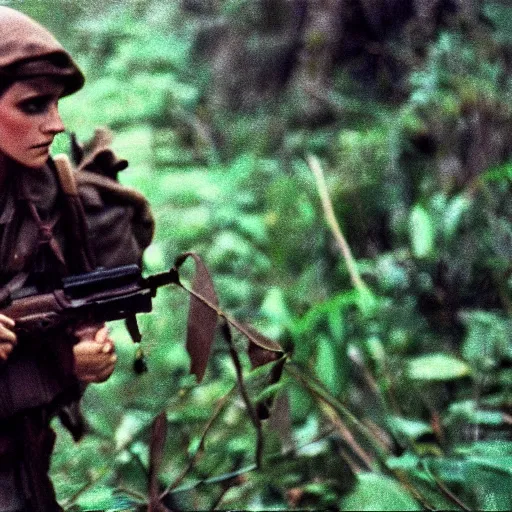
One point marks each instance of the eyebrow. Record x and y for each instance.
(29, 97)
(35, 90)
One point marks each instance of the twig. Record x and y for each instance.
(225, 323)
(316, 169)
(131, 494)
(318, 390)
(351, 463)
(215, 479)
(93, 481)
(401, 476)
(195, 457)
(223, 493)
(274, 457)
(245, 395)
(444, 490)
(347, 436)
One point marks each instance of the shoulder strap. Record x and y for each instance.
(80, 248)
(65, 175)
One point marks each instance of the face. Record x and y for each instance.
(29, 120)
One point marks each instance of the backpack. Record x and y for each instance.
(109, 224)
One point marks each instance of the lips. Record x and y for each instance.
(42, 145)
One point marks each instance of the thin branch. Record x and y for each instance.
(444, 490)
(330, 217)
(245, 395)
(319, 391)
(271, 458)
(218, 501)
(347, 436)
(192, 462)
(215, 479)
(402, 477)
(354, 467)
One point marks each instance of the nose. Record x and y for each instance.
(52, 123)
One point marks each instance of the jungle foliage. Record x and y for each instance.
(396, 393)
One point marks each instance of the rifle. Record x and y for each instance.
(95, 297)
(121, 293)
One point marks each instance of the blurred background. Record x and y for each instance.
(397, 392)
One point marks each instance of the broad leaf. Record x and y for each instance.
(378, 492)
(202, 319)
(437, 367)
(421, 232)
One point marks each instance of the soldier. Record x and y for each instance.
(38, 377)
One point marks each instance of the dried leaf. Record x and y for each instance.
(202, 319)
(261, 351)
(156, 450)
(257, 338)
(260, 356)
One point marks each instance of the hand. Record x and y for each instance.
(7, 337)
(94, 353)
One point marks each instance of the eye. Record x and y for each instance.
(35, 105)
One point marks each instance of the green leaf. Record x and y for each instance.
(500, 173)
(467, 411)
(437, 367)
(421, 232)
(411, 429)
(407, 461)
(378, 492)
(327, 365)
(489, 448)
(487, 340)
(454, 214)
(274, 306)
(367, 301)
(97, 498)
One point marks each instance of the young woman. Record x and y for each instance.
(38, 377)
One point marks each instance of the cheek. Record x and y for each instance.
(13, 130)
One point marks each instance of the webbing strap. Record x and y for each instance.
(77, 221)
(65, 175)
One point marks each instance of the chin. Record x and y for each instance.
(35, 164)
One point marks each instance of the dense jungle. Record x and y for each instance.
(344, 169)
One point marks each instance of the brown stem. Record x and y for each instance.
(445, 491)
(402, 477)
(330, 217)
(245, 395)
(347, 436)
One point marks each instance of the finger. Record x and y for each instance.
(87, 348)
(9, 322)
(88, 331)
(90, 362)
(108, 347)
(5, 350)
(103, 376)
(98, 375)
(6, 335)
(102, 335)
